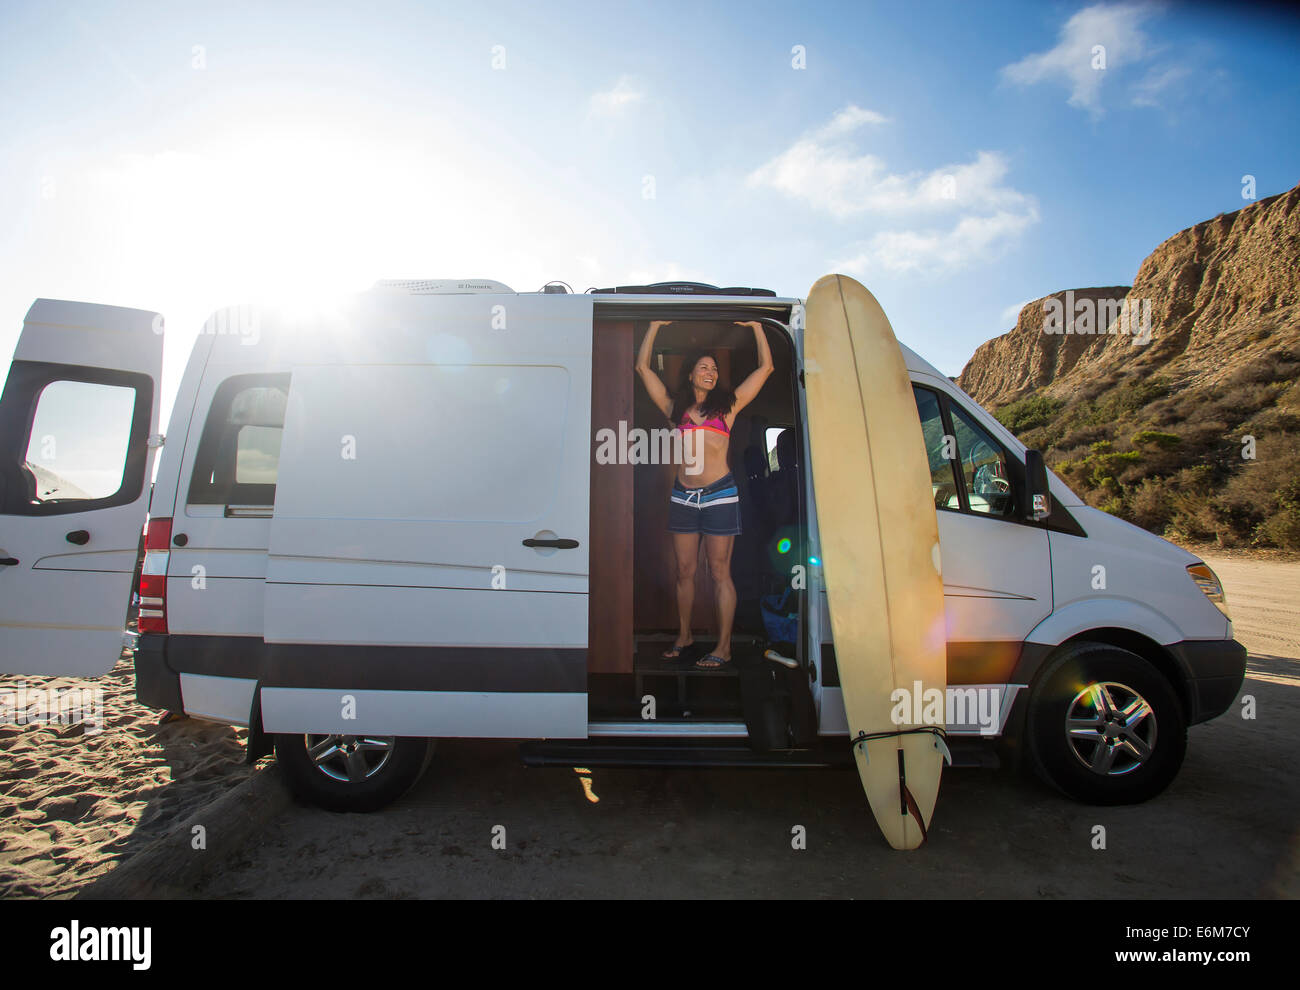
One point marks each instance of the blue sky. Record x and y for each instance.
(959, 159)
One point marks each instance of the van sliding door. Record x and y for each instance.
(429, 548)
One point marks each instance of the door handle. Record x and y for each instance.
(558, 544)
(78, 536)
(8, 561)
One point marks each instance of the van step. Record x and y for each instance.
(833, 756)
(698, 757)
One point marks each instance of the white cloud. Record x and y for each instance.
(823, 170)
(625, 93)
(973, 239)
(1115, 27)
(1012, 313)
(1159, 79)
(848, 120)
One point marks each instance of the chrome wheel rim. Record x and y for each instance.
(350, 759)
(1111, 728)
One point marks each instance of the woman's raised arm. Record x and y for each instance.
(747, 390)
(653, 384)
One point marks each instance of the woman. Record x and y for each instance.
(704, 500)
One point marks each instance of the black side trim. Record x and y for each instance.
(696, 754)
(830, 672)
(1216, 669)
(260, 743)
(1061, 521)
(1032, 658)
(382, 668)
(156, 684)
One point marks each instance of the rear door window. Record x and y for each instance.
(78, 438)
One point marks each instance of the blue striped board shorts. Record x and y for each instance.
(713, 510)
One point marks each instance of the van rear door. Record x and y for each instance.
(429, 547)
(79, 407)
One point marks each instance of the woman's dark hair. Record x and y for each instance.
(717, 402)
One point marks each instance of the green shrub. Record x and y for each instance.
(1151, 505)
(1028, 413)
(1282, 528)
(1164, 441)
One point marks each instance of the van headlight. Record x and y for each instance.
(1209, 582)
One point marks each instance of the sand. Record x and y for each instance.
(1264, 602)
(73, 803)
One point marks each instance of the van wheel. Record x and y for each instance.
(352, 773)
(1105, 727)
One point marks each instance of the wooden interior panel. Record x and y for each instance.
(610, 648)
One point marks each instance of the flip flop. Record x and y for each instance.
(675, 652)
(711, 662)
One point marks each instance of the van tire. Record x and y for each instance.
(391, 773)
(1071, 685)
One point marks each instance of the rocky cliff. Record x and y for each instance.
(1176, 402)
(1219, 294)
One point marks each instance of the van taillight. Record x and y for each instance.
(153, 577)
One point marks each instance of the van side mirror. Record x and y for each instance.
(1038, 498)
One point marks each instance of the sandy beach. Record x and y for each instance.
(75, 802)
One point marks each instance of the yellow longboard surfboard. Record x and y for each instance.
(879, 542)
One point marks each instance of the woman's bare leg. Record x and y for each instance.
(687, 548)
(718, 551)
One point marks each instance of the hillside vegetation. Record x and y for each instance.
(1194, 434)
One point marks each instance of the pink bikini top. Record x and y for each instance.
(717, 424)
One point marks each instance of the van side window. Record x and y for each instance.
(238, 459)
(943, 481)
(983, 466)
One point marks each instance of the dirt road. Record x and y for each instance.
(1229, 826)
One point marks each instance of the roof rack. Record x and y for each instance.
(442, 286)
(684, 289)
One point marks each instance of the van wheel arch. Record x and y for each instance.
(1148, 649)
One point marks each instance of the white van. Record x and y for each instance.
(388, 523)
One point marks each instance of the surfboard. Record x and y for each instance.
(879, 551)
